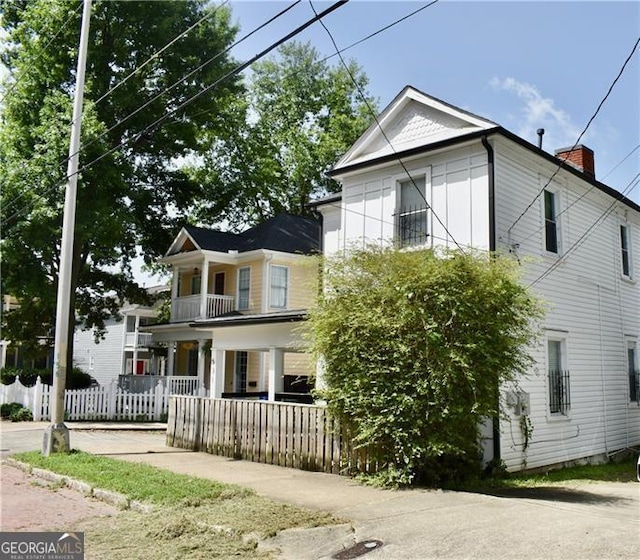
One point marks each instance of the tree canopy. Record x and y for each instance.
(131, 192)
(415, 347)
(299, 116)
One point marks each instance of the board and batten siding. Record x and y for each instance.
(103, 361)
(590, 306)
(456, 190)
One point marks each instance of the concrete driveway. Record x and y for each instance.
(581, 521)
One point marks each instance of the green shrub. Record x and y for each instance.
(76, 378)
(415, 346)
(15, 412)
(8, 409)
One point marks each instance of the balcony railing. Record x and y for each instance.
(411, 226)
(144, 340)
(187, 308)
(559, 392)
(176, 385)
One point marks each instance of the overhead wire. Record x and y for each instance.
(166, 90)
(577, 142)
(582, 196)
(238, 69)
(380, 128)
(578, 243)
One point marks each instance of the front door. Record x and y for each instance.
(240, 377)
(218, 284)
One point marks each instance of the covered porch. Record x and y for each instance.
(259, 357)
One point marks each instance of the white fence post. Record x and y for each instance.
(36, 409)
(112, 397)
(158, 401)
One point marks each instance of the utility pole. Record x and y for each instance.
(56, 436)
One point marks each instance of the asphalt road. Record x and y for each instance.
(579, 521)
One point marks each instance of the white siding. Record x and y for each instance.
(103, 361)
(588, 303)
(456, 191)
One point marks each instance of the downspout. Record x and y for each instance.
(492, 248)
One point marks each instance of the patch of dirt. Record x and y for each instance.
(33, 504)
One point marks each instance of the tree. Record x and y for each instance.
(415, 347)
(299, 116)
(131, 191)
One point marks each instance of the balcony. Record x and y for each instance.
(187, 308)
(144, 340)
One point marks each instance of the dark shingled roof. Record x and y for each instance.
(284, 232)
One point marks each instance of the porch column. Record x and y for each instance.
(135, 344)
(171, 348)
(204, 288)
(201, 360)
(123, 355)
(217, 372)
(276, 371)
(175, 280)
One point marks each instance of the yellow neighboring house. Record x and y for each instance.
(236, 301)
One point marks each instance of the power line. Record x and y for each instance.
(166, 90)
(375, 117)
(564, 159)
(625, 158)
(632, 185)
(584, 195)
(232, 73)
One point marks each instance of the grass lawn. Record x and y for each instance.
(623, 471)
(192, 518)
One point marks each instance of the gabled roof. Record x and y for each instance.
(411, 120)
(285, 233)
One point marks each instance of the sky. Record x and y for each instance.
(523, 65)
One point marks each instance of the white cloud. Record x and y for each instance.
(539, 112)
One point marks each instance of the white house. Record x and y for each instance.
(126, 347)
(430, 174)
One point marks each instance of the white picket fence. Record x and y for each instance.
(106, 402)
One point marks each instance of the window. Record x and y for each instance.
(559, 393)
(412, 213)
(242, 359)
(196, 282)
(244, 280)
(279, 286)
(625, 251)
(634, 375)
(550, 222)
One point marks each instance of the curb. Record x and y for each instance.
(113, 498)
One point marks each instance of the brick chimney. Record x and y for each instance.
(579, 157)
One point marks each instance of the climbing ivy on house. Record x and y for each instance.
(415, 346)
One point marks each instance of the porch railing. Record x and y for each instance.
(177, 385)
(187, 308)
(144, 340)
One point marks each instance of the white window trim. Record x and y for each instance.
(627, 226)
(556, 190)
(238, 289)
(564, 346)
(287, 287)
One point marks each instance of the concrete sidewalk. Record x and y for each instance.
(597, 521)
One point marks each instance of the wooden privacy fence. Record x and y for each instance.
(286, 434)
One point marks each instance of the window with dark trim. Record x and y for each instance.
(625, 252)
(550, 222)
(559, 389)
(634, 375)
